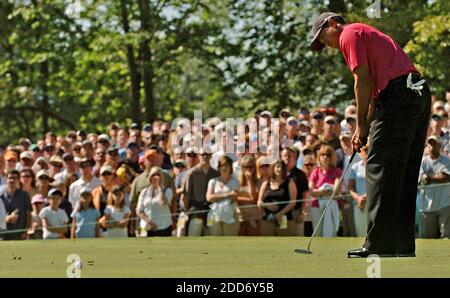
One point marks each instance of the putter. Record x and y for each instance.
(308, 251)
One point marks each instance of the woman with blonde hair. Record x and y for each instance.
(222, 193)
(153, 206)
(249, 214)
(322, 182)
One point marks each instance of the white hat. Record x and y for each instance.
(26, 154)
(266, 113)
(85, 190)
(106, 168)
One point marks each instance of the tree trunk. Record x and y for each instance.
(135, 79)
(44, 88)
(146, 65)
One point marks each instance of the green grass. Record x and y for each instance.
(213, 257)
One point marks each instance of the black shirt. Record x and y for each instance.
(301, 181)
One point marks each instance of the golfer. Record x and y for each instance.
(398, 117)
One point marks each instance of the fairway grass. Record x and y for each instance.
(229, 257)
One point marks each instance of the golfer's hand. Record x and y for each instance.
(359, 139)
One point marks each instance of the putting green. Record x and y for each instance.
(213, 257)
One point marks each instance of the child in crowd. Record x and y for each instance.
(117, 215)
(85, 217)
(35, 231)
(54, 219)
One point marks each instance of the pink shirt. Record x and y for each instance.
(318, 178)
(362, 44)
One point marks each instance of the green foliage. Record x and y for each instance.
(228, 58)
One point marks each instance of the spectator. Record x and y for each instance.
(87, 150)
(35, 152)
(10, 158)
(154, 204)
(70, 167)
(76, 149)
(180, 171)
(222, 195)
(85, 218)
(357, 189)
(317, 123)
(81, 136)
(281, 192)
(35, 231)
(43, 183)
(192, 158)
(26, 161)
(101, 194)
(27, 181)
(309, 164)
(322, 181)
(289, 156)
(194, 193)
(114, 128)
(99, 159)
(112, 156)
(303, 114)
(56, 165)
(329, 136)
(103, 142)
(249, 215)
(117, 214)
(434, 206)
(2, 218)
(87, 180)
(263, 170)
(132, 157)
(49, 150)
(54, 219)
(17, 205)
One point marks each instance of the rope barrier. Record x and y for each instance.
(195, 212)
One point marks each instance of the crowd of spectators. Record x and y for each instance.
(134, 182)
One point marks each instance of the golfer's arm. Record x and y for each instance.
(363, 92)
(439, 178)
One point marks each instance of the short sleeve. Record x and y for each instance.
(43, 214)
(64, 217)
(353, 48)
(107, 210)
(169, 195)
(211, 184)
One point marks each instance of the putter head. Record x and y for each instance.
(303, 251)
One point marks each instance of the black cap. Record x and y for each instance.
(135, 126)
(147, 127)
(132, 145)
(317, 28)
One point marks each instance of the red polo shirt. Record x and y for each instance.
(362, 44)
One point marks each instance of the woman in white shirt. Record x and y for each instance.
(154, 204)
(222, 193)
(117, 214)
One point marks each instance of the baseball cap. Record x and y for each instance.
(292, 121)
(317, 115)
(345, 134)
(34, 147)
(37, 198)
(435, 138)
(181, 162)
(303, 111)
(329, 118)
(317, 26)
(85, 160)
(85, 190)
(135, 126)
(132, 145)
(10, 155)
(147, 127)
(112, 148)
(54, 192)
(103, 137)
(67, 156)
(26, 155)
(42, 173)
(285, 110)
(266, 113)
(117, 188)
(305, 123)
(106, 169)
(438, 105)
(56, 159)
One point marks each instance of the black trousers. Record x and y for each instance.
(396, 145)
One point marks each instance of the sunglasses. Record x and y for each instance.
(264, 166)
(309, 164)
(25, 176)
(77, 149)
(49, 149)
(107, 174)
(325, 154)
(331, 122)
(192, 154)
(206, 155)
(43, 178)
(292, 123)
(249, 167)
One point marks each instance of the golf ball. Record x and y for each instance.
(78, 265)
